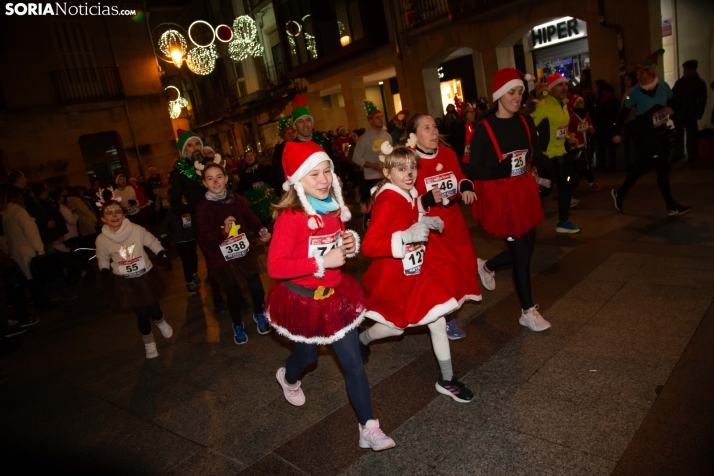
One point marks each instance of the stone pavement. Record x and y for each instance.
(622, 383)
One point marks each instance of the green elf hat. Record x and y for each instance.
(208, 145)
(370, 109)
(183, 137)
(284, 123)
(300, 108)
(541, 90)
(247, 149)
(650, 63)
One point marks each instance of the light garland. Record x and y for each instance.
(177, 104)
(173, 45)
(245, 43)
(291, 42)
(311, 45)
(201, 22)
(202, 61)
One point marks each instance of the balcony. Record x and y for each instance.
(74, 86)
(465, 11)
(423, 12)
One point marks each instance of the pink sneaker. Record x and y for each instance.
(294, 396)
(532, 319)
(371, 436)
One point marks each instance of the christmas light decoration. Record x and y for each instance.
(291, 41)
(202, 61)
(173, 45)
(245, 41)
(311, 45)
(201, 30)
(224, 33)
(177, 104)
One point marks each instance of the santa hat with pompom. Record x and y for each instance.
(555, 78)
(299, 158)
(506, 79)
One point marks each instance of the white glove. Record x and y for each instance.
(417, 233)
(434, 223)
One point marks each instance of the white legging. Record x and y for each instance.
(439, 339)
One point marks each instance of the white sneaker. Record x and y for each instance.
(371, 436)
(294, 396)
(151, 351)
(574, 203)
(533, 320)
(165, 329)
(488, 278)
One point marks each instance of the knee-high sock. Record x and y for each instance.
(440, 343)
(379, 331)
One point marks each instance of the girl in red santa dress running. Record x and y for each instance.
(453, 249)
(403, 286)
(313, 302)
(504, 145)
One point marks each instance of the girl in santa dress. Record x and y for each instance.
(403, 286)
(504, 145)
(453, 249)
(313, 302)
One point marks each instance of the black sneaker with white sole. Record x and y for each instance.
(677, 209)
(618, 200)
(454, 389)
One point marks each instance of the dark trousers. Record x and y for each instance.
(144, 313)
(366, 189)
(692, 129)
(561, 172)
(189, 259)
(653, 151)
(234, 296)
(606, 150)
(519, 255)
(347, 350)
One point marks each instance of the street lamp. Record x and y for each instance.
(345, 40)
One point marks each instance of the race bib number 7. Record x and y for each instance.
(321, 245)
(132, 268)
(444, 182)
(413, 259)
(236, 247)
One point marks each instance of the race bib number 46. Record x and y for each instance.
(236, 247)
(659, 118)
(518, 162)
(562, 133)
(413, 259)
(132, 268)
(321, 245)
(444, 182)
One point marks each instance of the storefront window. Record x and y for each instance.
(560, 46)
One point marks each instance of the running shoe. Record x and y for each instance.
(191, 288)
(453, 331)
(595, 187)
(30, 321)
(12, 322)
(151, 351)
(239, 335)
(574, 203)
(617, 199)
(196, 280)
(677, 209)
(371, 436)
(533, 320)
(566, 227)
(454, 389)
(488, 278)
(166, 330)
(263, 326)
(294, 396)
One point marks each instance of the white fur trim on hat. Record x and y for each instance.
(309, 164)
(557, 81)
(506, 87)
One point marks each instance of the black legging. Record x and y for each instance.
(651, 150)
(189, 259)
(347, 350)
(143, 314)
(234, 297)
(519, 255)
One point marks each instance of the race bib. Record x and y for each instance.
(258, 184)
(413, 259)
(236, 247)
(518, 162)
(583, 127)
(562, 133)
(444, 182)
(467, 149)
(321, 245)
(659, 118)
(186, 220)
(132, 268)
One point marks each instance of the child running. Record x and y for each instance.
(403, 286)
(120, 250)
(223, 220)
(314, 302)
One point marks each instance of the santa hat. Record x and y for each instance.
(339, 128)
(208, 145)
(650, 63)
(183, 137)
(404, 113)
(116, 176)
(506, 79)
(284, 123)
(300, 108)
(132, 177)
(555, 78)
(370, 109)
(299, 158)
(461, 107)
(541, 90)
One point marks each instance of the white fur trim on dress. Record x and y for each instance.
(357, 243)
(439, 167)
(469, 297)
(320, 261)
(317, 340)
(399, 251)
(407, 196)
(440, 310)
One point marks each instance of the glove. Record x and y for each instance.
(165, 241)
(503, 169)
(107, 277)
(428, 200)
(466, 186)
(165, 261)
(417, 233)
(434, 223)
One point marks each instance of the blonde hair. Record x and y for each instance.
(291, 201)
(400, 155)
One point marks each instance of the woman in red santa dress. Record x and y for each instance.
(453, 249)
(403, 287)
(504, 145)
(313, 302)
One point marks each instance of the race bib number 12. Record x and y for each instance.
(413, 259)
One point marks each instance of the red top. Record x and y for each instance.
(290, 251)
(578, 127)
(343, 146)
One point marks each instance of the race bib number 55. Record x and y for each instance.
(236, 247)
(132, 268)
(444, 182)
(321, 245)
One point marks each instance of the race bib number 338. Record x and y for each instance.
(236, 247)
(445, 182)
(321, 245)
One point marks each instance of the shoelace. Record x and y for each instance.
(293, 391)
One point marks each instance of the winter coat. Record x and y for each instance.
(71, 219)
(87, 224)
(23, 237)
(690, 98)
(109, 243)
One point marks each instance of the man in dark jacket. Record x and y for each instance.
(690, 100)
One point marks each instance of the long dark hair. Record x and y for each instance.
(413, 124)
